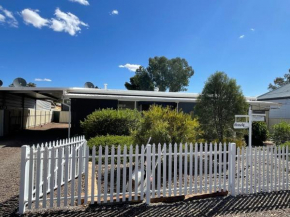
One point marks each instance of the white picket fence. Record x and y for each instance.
(145, 172)
(43, 168)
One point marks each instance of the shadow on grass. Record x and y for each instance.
(206, 207)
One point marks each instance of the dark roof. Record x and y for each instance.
(280, 93)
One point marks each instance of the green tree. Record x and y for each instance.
(280, 81)
(166, 74)
(220, 101)
(31, 84)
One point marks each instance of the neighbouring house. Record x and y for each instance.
(77, 103)
(281, 96)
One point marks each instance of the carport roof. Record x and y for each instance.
(41, 93)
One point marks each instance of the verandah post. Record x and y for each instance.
(148, 174)
(232, 160)
(24, 178)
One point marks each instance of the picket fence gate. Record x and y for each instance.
(69, 173)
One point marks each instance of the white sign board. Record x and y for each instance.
(241, 125)
(258, 118)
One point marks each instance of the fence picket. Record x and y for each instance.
(124, 174)
(242, 170)
(275, 177)
(260, 158)
(31, 177)
(205, 167)
(45, 173)
(238, 170)
(268, 170)
(190, 168)
(136, 180)
(59, 175)
(99, 173)
(283, 167)
(118, 172)
(210, 168)
(106, 174)
(130, 174)
(80, 177)
(247, 169)
(37, 195)
(164, 169)
(169, 171)
(153, 171)
(93, 175)
(220, 166)
(142, 172)
(66, 174)
(73, 175)
(287, 168)
(255, 171)
(159, 171)
(271, 176)
(200, 167)
(225, 165)
(86, 175)
(264, 188)
(113, 170)
(279, 168)
(215, 167)
(175, 169)
(185, 169)
(195, 168)
(180, 169)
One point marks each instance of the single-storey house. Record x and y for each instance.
(83, 101)
(281, 96)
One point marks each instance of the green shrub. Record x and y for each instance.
(110, 122)
(110, 141)
(165, 125)
(260, 134)
(281, 133)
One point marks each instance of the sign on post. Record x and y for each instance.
(241, 125)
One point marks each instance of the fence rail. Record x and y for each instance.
(69, 173)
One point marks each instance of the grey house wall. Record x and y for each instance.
(278, 115)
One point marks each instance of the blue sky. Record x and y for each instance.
(71, 42)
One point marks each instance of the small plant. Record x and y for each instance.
(281, 133)
(260, 134)
(110, 122)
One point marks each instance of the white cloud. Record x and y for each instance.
(66, 22)
(252, 30)
(114, 12)
(131, 67)
(8, 17)
(83, 2)
(242, 36)
(43, 79)
(63, 22)
(32, 17)
(2, 18)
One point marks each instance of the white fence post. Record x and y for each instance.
(232, 160)
(24, 178)
(148, 174)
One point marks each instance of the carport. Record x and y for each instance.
(26, 107)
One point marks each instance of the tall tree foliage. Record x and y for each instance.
(220, 101)
(166, 74)
(280, 81)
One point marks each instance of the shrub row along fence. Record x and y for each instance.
(139, 173)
